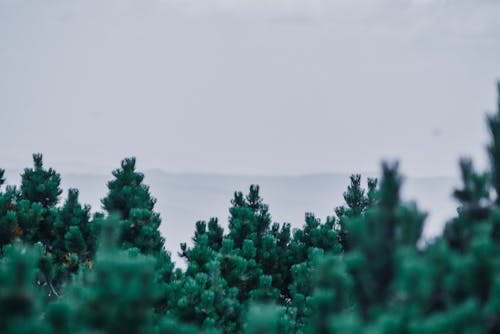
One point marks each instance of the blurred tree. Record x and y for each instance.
(117, 294)
(20, 300)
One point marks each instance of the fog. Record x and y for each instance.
(293, 95)
(249, 87)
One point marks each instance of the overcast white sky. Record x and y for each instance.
(247, 86)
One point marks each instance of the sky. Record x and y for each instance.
(278, 87)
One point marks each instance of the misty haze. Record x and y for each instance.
(286, 88)
(248, 166)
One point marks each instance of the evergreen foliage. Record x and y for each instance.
(366, 270)
(20, 300)
(129, 198)
(357, 201)
(118, 294)
(41, 185)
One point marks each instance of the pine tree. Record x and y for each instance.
(9, 227)
(265, 292)
(117, 294)
(40, 185)
(357, 203)
(131, 200)
(205, 300)
(314, 234)
(275, 258)
(332, 292)
(257, 278)
(75, 236)
(302, 288)
(494, 147)
(375, 238)
(20, 300)
(249, 230)
(474, 206)
(249, 218)
(264, 318)
(201, 254)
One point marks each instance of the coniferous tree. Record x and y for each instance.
(19, 219)
(314, 234)
(117, 294)
(357, 203)
(36, 216)
(9, 225)
(40, 185)
(75, 235)
(277, 259)
(131, 200)
(264, 318)
(332, 293)
(265, 292)
(257, 278)
(494, 148)
(474, 206)
(205, 300)
(249, 231)
(302, 288)
(206, 244)
(20, 300)
(375, 238)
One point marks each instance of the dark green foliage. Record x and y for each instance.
(332, 292)
(269, 319)
(365, 271)
(206, 244)
(474, 193)
(249, 218)
(314, 234)
(116, 295)
(205, 299)
(215, 234)
(302, 287)
(20, 302)
(127, 192)
(357, 203)
(130, 199)
(494, 148)
(377, 235)
(75, 235)
(277, 258)
(169, 325)
(41, 185)
(355, 198)
(265, 292)
(257, 247)
(19, 218)
(474, 199)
